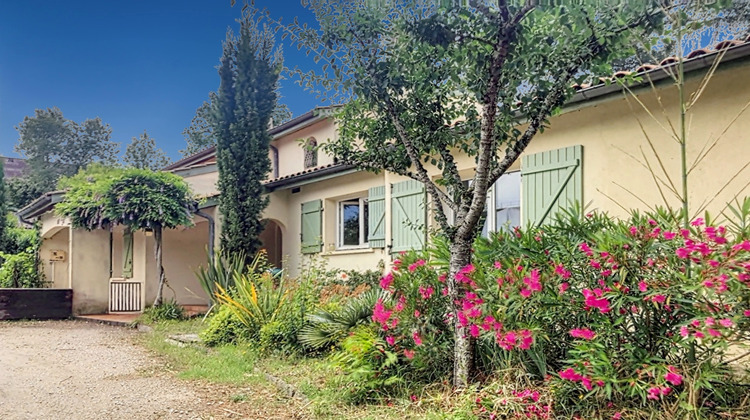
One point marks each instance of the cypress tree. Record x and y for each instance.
(249, 72)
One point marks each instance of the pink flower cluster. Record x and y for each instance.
(583, 333)
(382, 316)
(522, 339)
(656, 392)
(594, 299)
(531, 283)
(571, 375)
(708, 327)
(463, 275)
(413, 266)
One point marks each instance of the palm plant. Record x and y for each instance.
(326, 328)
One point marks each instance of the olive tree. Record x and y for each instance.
(423, 82)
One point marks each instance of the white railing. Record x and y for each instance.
(125, 296)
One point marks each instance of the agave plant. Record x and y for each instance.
(255, 299)
(220, 272)
(326, 328)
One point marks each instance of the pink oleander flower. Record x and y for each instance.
(684, 331)
(594, 299)
(744, 246)
(561, 271)
(532, 281)
(390, 340)
(586, 382)
(672, 376)
(417, 314)
(570, 375)
(617, 416)
(563, 287)
(658, 298)
(709, 321)
(525, 292)
(409, 354)
(497, 265)
(526, 339)
(426, 292)
(713, 333)
(417, 338)
(682, 253)
(474, 330)
(386, 281)
(380, 315)
(633, 230)
(642, 286)
(669, 235)
(697, 222)
(584, 247)
(726, 323)
(416, 264)
(595, 264)
(584, 333)
(746, 313)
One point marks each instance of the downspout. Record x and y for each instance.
(211, 233)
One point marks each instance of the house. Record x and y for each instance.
(13, 167)
(592, 153)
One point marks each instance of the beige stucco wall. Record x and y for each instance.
(203, 185)
(55, 272)
(285, 208)
(184, 250)
(88, 270)
(291, 151)
(609, 133)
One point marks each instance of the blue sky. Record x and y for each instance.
(137, 64)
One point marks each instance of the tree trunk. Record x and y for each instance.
(463, 351)
(159, 267)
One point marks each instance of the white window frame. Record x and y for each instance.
(363, 243)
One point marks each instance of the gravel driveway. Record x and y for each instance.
(78, 370)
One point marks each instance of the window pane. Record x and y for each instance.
(508, 191)
(508, 218)
(350, 216)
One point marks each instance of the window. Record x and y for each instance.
(311, 153)
(352, 223)
(507, 192)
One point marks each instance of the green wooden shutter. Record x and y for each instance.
(376, 217)
(127, 254)
(312, 224)
(408, 216)
(551, 180)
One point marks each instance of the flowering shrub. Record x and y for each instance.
(638, 311)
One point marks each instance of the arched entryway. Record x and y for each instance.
(271, 241)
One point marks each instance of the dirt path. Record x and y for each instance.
(77, 370)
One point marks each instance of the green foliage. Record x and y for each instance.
(220, 273)
(249, 71)
(326, 328)
(55, 146)
(3, 207)
(370, 368)
(639, 313)
(168, 311)
(224, 328)
(199, 135)
(257, 298)
(142, 153)
(20, 270)
(100, 197)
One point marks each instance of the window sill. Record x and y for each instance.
(349, 251)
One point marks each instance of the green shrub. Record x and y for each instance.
(224, 328)
(167, 311)
(370, 368)
(20, 270)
